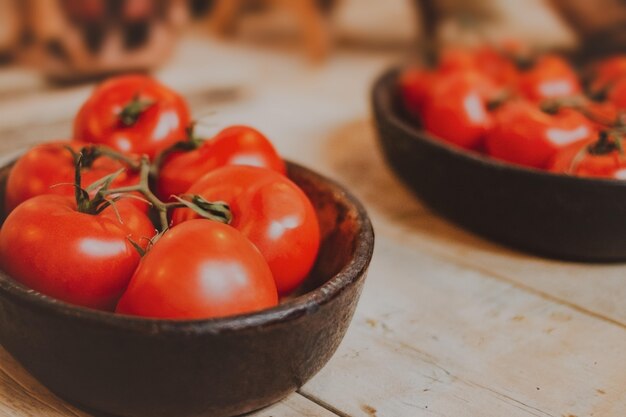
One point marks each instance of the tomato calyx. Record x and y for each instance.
(607, 142)
(191, 143)
(131, 112)
(581, 105)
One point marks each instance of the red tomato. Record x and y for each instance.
(200, 269)
(272, 212)
(604, 114)
(550, 77)
(457, 109)
(415, 86)
(617, 94)
(133, 114)
(235, 145)
(50, 164)
(606, 73)
(592, 158)
(83, 259)
(488, 61)
(525, 135)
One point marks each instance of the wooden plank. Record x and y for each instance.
(434, 338)
(292, 406)
(597, 289)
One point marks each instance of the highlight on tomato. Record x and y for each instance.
(271, 211)
(82, 256)
(200, 269)
(134, 114)
(49, 168)
(187, 161)
(525, 135)
(603, 157)
(230, 234)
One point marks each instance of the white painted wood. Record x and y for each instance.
(433, 338)
(595, 288)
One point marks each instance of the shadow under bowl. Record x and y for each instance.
(552, 215)
(128, 366)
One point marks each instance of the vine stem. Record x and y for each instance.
(216, 211)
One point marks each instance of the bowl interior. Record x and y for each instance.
(345, 251)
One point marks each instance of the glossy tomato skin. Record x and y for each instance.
(606, 73)
(579, 159)
(235, 145)
(525, 135)
(83, 259)
(161, 124)
(49, 169)
(457, 109)
(200, 269)
(617, 94)
(415, 86)
(493, 64)
(550, 77)
(272, 212)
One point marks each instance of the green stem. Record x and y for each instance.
(214, 211)
(191, 143)
(133, 109)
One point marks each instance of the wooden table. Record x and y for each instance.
(448, 324)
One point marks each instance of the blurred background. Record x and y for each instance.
(270, 58)
(73, 40)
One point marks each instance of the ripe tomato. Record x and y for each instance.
(606, 73)
(235, 145)
(271, 211)
(592, 158)
(133, 114)
(499, 68)
(200, 269)
(617, 94)
(415, 86)
(50, 164)
(83, 259)
(525, 135)
(457, 110)
(550, 77)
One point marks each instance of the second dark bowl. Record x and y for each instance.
(552, 215)
(138, 367)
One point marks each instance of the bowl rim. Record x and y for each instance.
(382, 100)
(307, 303)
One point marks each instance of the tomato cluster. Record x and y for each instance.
(527, 109)
(137, 215)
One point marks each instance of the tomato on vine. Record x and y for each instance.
(271, 211)
(133, 114)
(49, 169)
(603, 157)
(200, 269)
(83, 258)
(235, 145)
(549, 77)
(457, 109)
(523, 134)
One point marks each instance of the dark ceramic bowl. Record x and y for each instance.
(220, 367)
(551, 215)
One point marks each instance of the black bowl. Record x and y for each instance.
(552, 215)
(144, 367)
